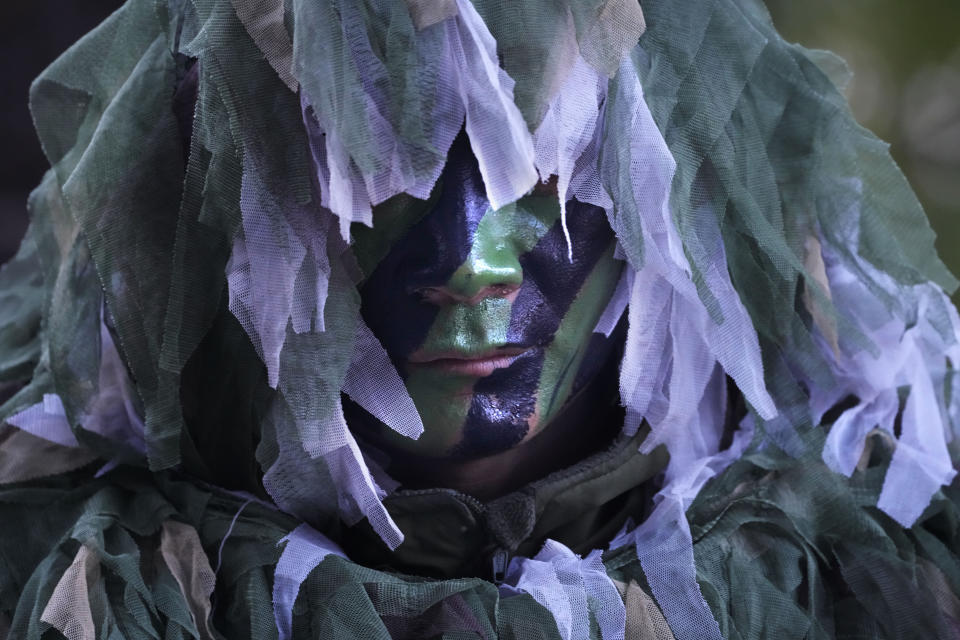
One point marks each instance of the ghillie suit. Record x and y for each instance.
(182, 321)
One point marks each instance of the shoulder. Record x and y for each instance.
(785, 547)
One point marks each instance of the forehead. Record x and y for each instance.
(448, 221)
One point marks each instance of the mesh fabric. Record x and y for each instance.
(767, 238)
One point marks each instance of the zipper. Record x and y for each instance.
(500, 560)
(475, 505)
(478, 507)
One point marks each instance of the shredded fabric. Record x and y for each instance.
(68, 610)
(305, 549)
(575, 590)
(184, 556)
(182, 325)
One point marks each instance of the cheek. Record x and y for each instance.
(551, 281)
(501, 408)
(575, 355)
(389, 304)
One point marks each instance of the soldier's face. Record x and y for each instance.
(485, 318)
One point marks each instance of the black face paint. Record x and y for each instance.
(502, 404)
(426, 256)
(484, 315)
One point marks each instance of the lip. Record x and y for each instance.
(475, 365)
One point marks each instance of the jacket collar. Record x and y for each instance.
(451, 534)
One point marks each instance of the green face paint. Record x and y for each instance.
(482, 312)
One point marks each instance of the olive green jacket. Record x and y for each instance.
(784, 548)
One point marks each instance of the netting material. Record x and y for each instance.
(387, 131)
(184, 556)
(68, 610)
(643, 619)
(575, 590)
(304, 549)
(722, 200)
(787, 516)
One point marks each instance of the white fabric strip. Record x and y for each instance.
(358, 494)
(305, 549)
(48, 420)
(664, 544)
(373, 382)
(617, 306)
(498, 133)
(572, 589)
(112, 413)
(909, 351)
(567, 129)
(261, 273)
(282, 246)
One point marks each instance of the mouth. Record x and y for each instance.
(474, 365)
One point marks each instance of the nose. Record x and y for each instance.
(476, 254)
(492, 270)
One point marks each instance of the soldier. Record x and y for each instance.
(524, 320)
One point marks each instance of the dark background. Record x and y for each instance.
(906, 88)
(32, 34)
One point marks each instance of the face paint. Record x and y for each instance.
(481, 311)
